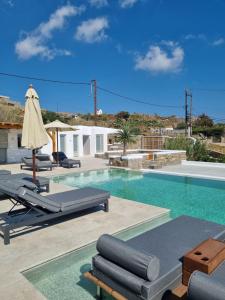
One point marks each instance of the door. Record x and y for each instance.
(63, 143)
(75, 145)
(99, 143)
(3, 155)
(86, 144)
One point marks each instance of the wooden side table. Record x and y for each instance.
(206, 257)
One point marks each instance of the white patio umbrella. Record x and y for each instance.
(34, 135)
(57, 126)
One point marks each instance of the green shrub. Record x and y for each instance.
(195, 151)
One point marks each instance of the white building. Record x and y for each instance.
(10, 143)
(84, 141)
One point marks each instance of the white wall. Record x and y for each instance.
(91, 131)
(15, 154)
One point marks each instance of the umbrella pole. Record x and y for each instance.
(57, 136)
(33, 166)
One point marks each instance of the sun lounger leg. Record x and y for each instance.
(106, 204)
(6, 235)
(47, 188)
(99, 293)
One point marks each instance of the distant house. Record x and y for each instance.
(84, 141)
(99, 112)
(11, 150)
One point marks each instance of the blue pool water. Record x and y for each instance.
(182, 195)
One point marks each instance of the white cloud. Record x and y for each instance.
(218, 42)
(92, 30)
(35, 42)
(161, 60)
(98, 3)
(127, 3)
(199, 36)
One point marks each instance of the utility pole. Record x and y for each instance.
(188, 112)
(94, 89)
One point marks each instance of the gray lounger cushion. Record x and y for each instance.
(169, 242)
(205, 287)
(12, 187)
(144, 265)
(66, 200)
(122, 276)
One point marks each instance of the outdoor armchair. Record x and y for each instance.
(64, 161)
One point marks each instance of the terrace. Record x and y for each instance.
(34, 246)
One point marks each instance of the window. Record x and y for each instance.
(75, 145)
(63, 143)
(19, 140)
(99, 143)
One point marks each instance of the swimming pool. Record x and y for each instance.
(195, 197)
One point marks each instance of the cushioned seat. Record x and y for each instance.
(67, 200)
(169, 242)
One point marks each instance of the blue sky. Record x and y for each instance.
(146, 49)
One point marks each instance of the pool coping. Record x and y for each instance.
(200, 176)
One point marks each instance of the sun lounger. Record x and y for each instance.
(149, 266)
(43, 183)
(207, 287)
(39, 165)
(64, 161)
(38, 209)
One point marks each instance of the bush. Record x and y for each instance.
(195, 151)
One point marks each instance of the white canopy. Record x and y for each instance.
(34, 135)
(58, 126)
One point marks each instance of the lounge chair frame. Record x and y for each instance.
(39, 215)
(102, 286)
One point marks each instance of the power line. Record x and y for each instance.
(136, 100)
(89, 84)
(44, 79)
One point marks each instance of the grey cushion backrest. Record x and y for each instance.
(39, 200)
(120, 275)
(27, 161)
(8, 190)
(137, 262)
(204, 287)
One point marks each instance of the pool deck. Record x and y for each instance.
(206, 172)
(29, 249)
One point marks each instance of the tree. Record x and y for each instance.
(203, 121)
(123, 115)
(126, 135)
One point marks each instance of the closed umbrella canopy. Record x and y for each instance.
(34, 135)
